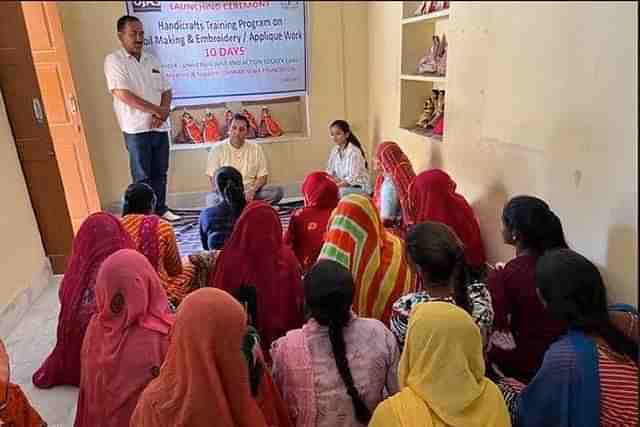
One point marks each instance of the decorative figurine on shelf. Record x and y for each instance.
(438, 128)
(428, 111)
(422, 8)
(426, 7)
(253, 125)
(441, 57)
(268, 126)
(210, 127)
(438, 122)
(228, 117)
(428, 63)
(191, 129)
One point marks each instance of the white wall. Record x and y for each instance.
(338, 35)
(22, 257)
(542, 100)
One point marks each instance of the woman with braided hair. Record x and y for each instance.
(523, 329)
(335, 369)
(439, 256)
(217, 221)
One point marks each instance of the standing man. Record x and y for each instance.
(248, 158)
(141, 101)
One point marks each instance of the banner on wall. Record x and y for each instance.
(220, 51)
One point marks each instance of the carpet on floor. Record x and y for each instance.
(188, 231)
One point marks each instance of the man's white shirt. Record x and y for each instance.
(144, 78)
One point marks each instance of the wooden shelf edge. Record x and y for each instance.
(290, 137)
(441, 14)
(423, 78)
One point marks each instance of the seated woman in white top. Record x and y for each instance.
(347, 163)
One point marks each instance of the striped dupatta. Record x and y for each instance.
(377, 258)
(395, 163)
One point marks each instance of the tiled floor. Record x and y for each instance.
(34, 337)
(28, 345)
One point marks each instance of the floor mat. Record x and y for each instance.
(187, 228)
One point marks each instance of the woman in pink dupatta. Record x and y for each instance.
(100, 235)
(126, 341)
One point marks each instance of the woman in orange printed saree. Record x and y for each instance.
(15, 409)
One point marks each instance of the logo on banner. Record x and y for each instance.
(146, 6)
(290, 4)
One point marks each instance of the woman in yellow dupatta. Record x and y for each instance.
(376, 257)
(442, 375)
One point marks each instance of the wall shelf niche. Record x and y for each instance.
(441, 14)
(424, 78)
(415, 88)
(292, 113)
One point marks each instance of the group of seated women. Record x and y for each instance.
(363, 312)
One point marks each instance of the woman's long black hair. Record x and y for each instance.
(574, 291)
(343, 125)
(328, 289)
(437, 251)
(538, 228)
(247, 295)
(139, 199)
(229, 184)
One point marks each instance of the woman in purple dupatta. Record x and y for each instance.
(100, 235)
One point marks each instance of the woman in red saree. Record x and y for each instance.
(255, 254)
(395, 171)
(307, 226)
(433, 197)
(100, 235)
(126, 341)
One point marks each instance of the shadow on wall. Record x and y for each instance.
(488, 210)
(435, 158)
(621, 270)
(376, 139)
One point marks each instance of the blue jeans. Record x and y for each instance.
(149, 162)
